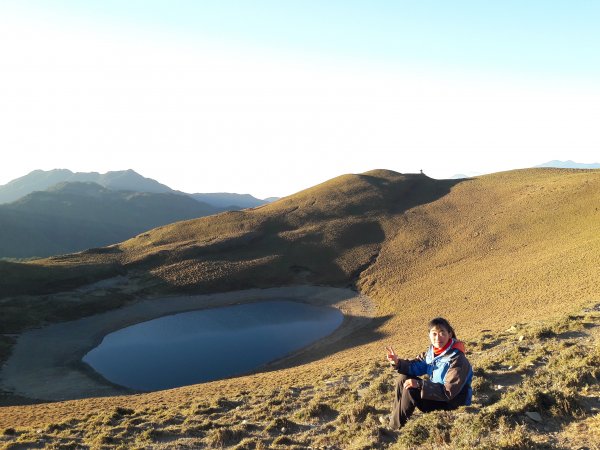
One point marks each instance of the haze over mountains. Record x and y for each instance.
(569, 165)
(58, 211)
(70, 217)
(122, 180)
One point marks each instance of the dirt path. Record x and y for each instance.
(46, 363)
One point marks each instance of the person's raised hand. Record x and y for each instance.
(411, 383)
(392, 357)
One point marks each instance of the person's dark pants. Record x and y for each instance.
(405, 401)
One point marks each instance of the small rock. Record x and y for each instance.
(362, 392)
(283, 430)
(498, 387)
(244, 422)
(535, 416)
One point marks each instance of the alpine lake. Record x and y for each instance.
(210, 344)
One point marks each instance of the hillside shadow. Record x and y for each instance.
(365, 335)
(21, 278)
(309, 259)
(415, 190)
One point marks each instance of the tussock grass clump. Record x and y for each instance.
(283, 441)
(431, 429)
(583, 434)
(575, 367)
(382, 386)
(225, 403)
(249, 444)
(535, 398)
(357, 413)
(223, 437)
(464, 429)
(317, 409)
(510, 437)
(553, 329)
(24, 444)
(480, 382)
(280, 425)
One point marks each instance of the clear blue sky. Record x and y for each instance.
(351, 85)
(536, 37)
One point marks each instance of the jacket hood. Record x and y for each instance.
(459, 345)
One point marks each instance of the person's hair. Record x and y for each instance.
(440, 322)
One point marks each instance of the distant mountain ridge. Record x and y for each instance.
(122, 180)
(40, 180)
(52, 212)
(228, 201)
(74, 216)
(569, 165)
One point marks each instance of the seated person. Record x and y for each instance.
(450, 374)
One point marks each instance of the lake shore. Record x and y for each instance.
(46, 363)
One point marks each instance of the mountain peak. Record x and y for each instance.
(40, 180)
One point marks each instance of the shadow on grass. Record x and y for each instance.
(365, 335)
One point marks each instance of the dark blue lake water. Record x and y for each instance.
(206, 345)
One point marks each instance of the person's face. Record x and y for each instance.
(439, 336)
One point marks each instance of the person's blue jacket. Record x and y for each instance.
(449, 373)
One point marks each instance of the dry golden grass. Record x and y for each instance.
(486, 253)
(524, 369)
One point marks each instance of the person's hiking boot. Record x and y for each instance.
(385, 428)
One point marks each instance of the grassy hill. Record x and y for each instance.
(487, 253)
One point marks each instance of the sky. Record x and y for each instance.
(271, 97)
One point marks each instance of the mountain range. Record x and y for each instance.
(53, 212)
(74, 216)
(122, 180)
(550, 164)
(569, 165)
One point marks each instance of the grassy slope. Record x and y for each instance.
(550, 368)
(485, 253)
